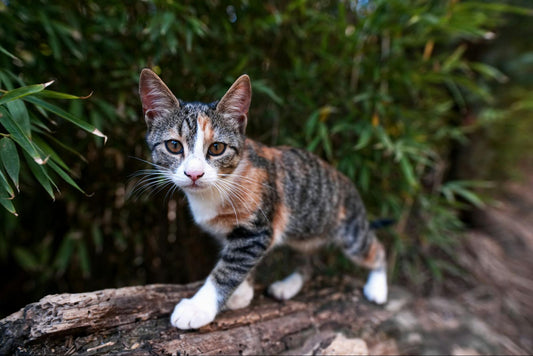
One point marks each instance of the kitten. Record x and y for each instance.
(251, 197)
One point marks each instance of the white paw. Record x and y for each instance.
(375, 289)
(286, 288)
(189, 315)
(198, 311)
(242, 296)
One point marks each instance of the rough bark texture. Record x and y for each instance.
(135, 320)
(329, 317)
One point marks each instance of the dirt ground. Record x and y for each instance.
(490, 314)
(499, 254)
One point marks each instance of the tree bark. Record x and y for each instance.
(135, 321)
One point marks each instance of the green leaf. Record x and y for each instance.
(65, 252)
(407, 170)
(260, 87)
(364, 139)
(10, 159)
(326, 141)
(50, 94)
(7, 53)
(85, 262)
(8, 204)
(22, 92)
(20, 115)
(311, 123)
(6, 186)
(65, 115)
(453, 59)
(64, 175)
(25, 259)
(18, 135)
(489, 71)
(49, 152)
(39, 172)
(66, 147)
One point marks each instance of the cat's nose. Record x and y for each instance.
(194, 175)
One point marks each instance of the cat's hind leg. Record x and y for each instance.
(289, 286)
(368, 252)
(242, 296)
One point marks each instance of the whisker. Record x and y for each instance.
(151, 181)
(240, 193)
(226, 196)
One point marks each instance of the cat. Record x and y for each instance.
(251, 198)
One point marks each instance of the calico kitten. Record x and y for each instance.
(251, 197)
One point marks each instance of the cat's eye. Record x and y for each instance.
(174, 146)
(216, 149)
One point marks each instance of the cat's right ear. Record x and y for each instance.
(157, 99)
(236, 102)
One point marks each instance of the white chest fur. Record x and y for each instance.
(205, 207)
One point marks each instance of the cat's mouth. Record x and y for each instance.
(195, 187)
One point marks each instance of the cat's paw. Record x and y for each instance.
(375, 289)
(242, 296)
(188, 314)
(286, 288)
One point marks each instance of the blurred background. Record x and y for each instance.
(426, 105)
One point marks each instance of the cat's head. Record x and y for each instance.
(196, 145)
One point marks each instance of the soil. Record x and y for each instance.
(493, 311)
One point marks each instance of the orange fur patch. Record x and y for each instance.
(244, 201)
(375, 257)
(281, 218)
(204, 124)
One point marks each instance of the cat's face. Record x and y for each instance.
(196, 146)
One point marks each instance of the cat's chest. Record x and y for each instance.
(204, 207)
(210, 212)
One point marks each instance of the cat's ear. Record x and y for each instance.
(157, 99)
(236, 102)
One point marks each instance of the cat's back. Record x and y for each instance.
(314, 197)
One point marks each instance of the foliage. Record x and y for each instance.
(381, 89)
(28, 130)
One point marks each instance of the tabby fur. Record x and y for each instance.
(251, 197)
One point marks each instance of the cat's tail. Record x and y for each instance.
(381, 223)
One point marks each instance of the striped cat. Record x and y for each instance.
(251, 197)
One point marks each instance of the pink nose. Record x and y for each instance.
(194, 175)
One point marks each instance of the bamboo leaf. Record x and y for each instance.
(25, 258)
(407, 170)
(489, 71)
(65, 115)
(22, 92)
(85, 262)
(20, 115)
(49, 152)
(39, 172)
(64, 175)
(5, 185)
(8, 204)
(64, 254)
(50, 94)
(7, 53)
(10, 159)
(364, 139)
(18, 135)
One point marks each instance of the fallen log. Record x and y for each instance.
(135, 321)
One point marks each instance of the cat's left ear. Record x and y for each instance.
(236, 102)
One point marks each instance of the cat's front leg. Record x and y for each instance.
(197, 311)
(242, 252)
